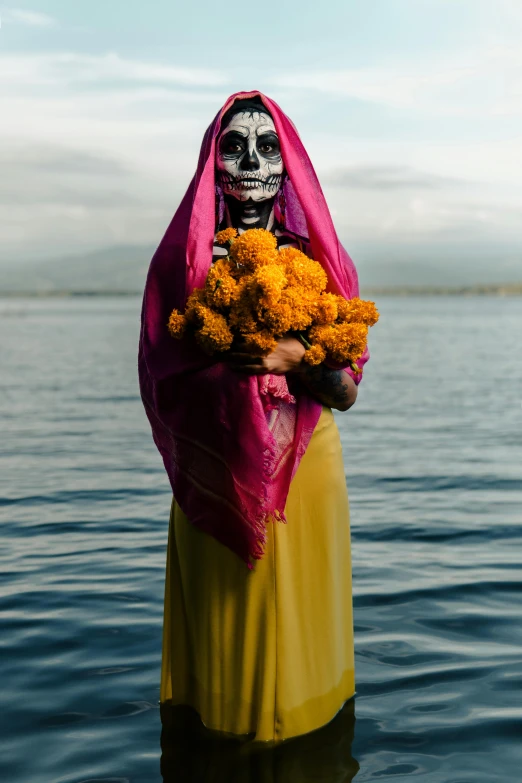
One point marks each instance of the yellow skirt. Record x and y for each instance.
(267, 653)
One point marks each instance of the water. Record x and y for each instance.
(433, 454)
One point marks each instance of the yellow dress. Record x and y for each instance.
(267, 653)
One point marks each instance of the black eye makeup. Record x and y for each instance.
(232, 144)
(268, 145)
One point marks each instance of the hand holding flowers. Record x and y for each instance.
(286, 357)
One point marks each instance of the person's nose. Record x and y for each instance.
(249, 161)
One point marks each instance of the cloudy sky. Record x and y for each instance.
(411, 111)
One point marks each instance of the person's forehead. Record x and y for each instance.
(246, 122)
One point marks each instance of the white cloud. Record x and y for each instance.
(96, 150)
(27, 18)
(385, 86)
(384, 177)
(402, 218)
(474, 84)
(150, 116)
(68, 69)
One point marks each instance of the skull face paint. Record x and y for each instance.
(249, 162)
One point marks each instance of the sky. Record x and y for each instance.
(411, 111)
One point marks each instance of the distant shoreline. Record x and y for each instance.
(512, 289)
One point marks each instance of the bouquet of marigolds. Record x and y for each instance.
(258, 294)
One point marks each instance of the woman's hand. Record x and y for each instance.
(287, 357)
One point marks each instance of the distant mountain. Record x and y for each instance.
(123, 269)
(436, 265)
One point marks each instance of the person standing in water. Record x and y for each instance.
(258, 626)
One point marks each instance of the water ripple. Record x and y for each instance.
(433, 472)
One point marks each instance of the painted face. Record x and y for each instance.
(249, 163)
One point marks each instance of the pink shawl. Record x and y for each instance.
(231, 444)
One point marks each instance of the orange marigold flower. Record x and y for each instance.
(267, 285)
(325, 309)
(315, 355)
(343, 309)
(357, 311)
(278, 318)
(260, 343)
(241, 292)
(255, 247)
(226, 235)
(320, 334)
(214, 333)
(303, 271)
(293, 311)
(343, 342)
(301, 303)
(177, 324)
(242, 318)
(220, 286)
(196, 298)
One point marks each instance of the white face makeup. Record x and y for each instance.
(249, 163)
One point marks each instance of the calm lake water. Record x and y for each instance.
(433, 455)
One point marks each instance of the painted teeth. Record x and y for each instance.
(228, 182)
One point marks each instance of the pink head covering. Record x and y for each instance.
(231, 444)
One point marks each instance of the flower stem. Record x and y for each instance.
(303, 339)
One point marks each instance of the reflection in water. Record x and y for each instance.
(193, 754)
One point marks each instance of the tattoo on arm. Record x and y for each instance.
(331, 387)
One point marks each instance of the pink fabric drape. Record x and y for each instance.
(230, 443)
